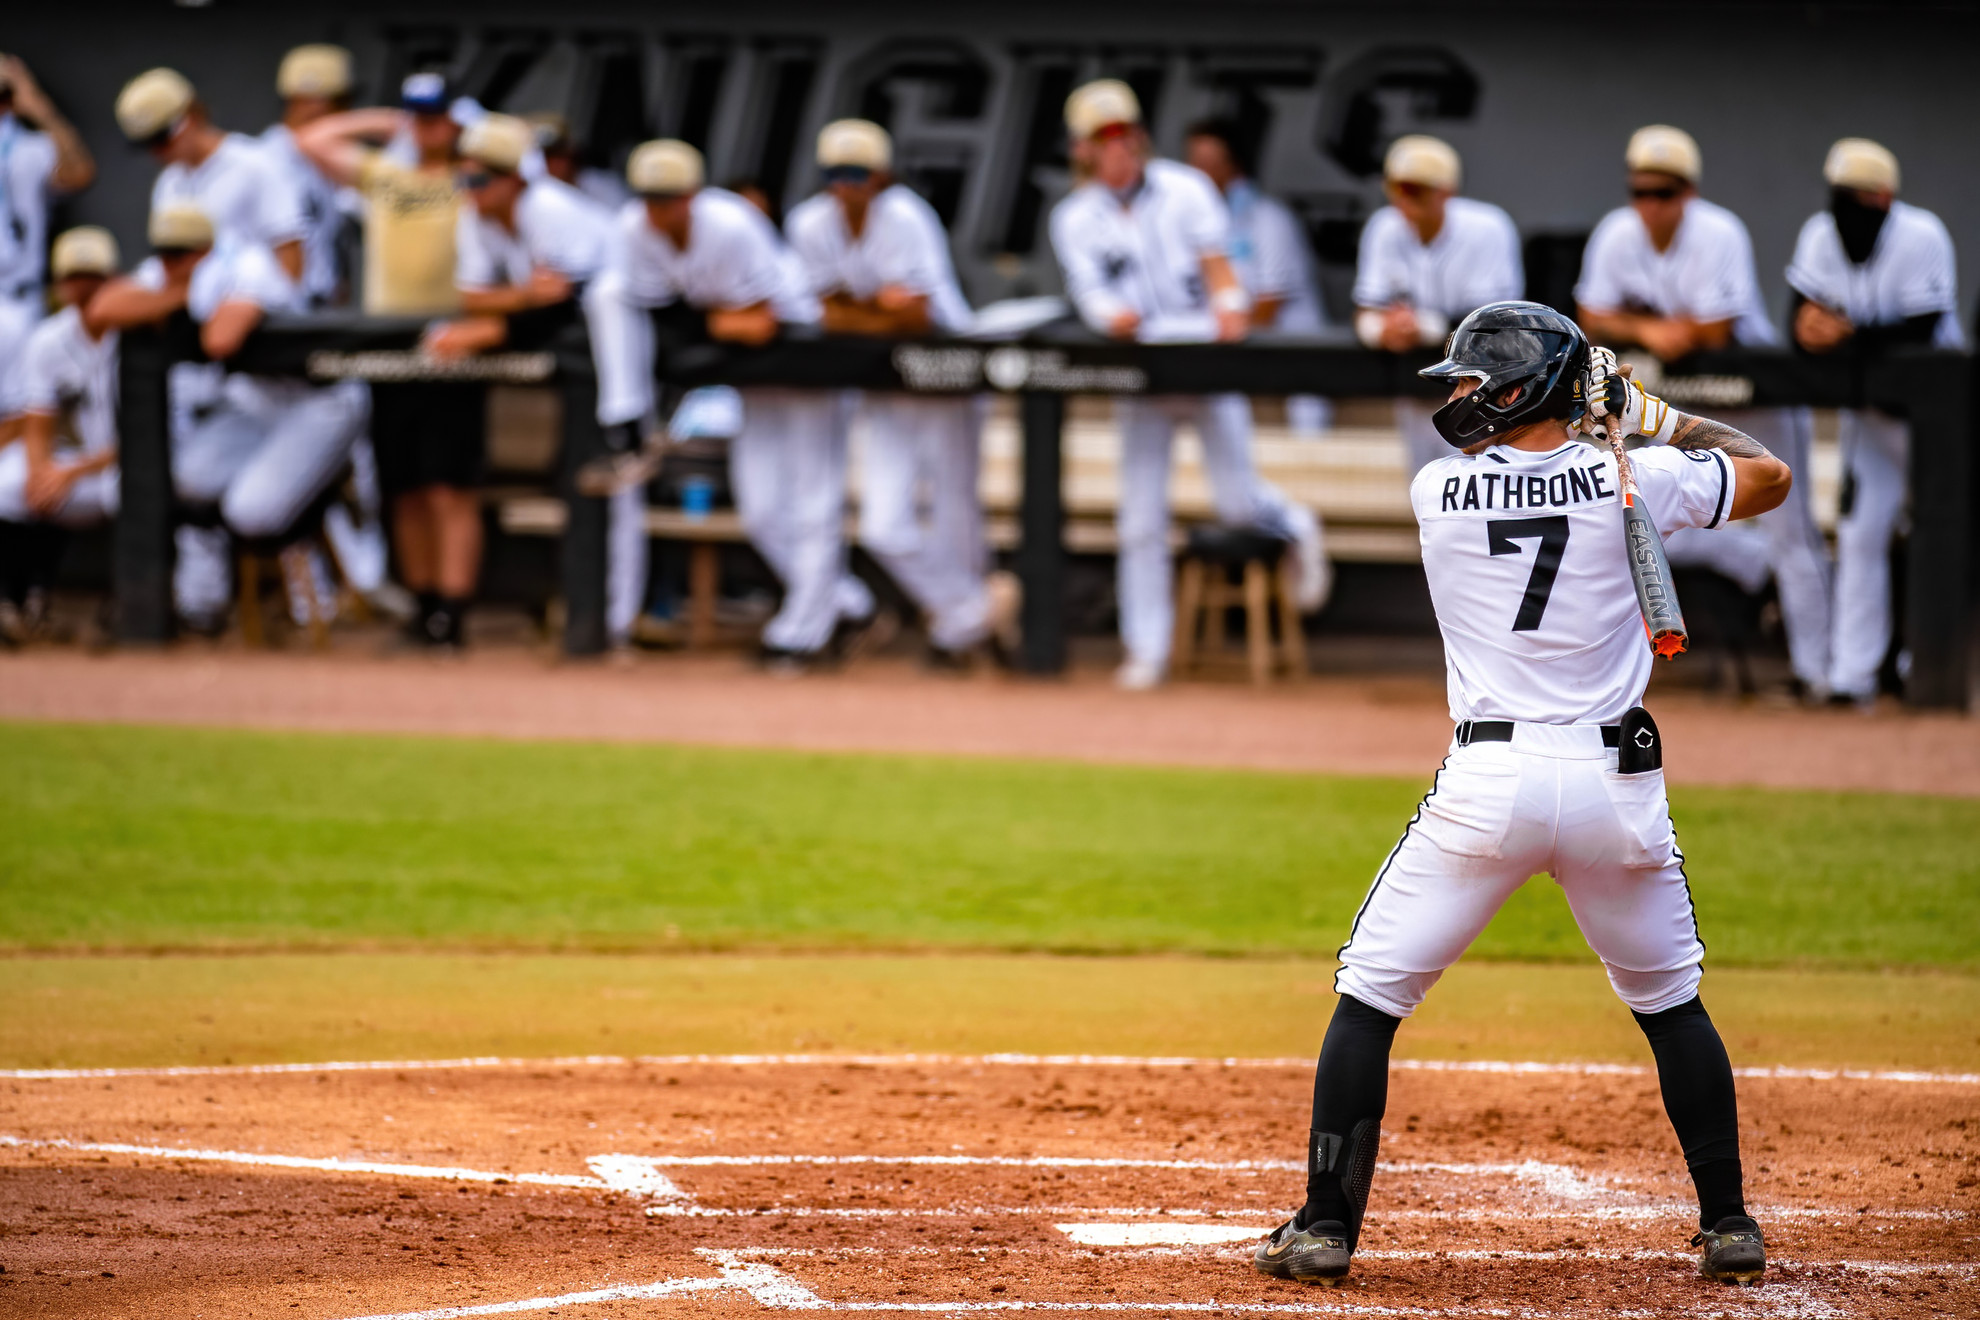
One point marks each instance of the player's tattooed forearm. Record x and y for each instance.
(1702, 433)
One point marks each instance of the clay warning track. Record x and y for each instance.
(946, 1187)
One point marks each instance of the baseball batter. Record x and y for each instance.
(876, 256)
(1426, 259)
(1554, 766)
(1673, 273)
(1144, 245)
(1870, 271)
(682, 242)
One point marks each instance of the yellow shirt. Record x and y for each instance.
(409, 218)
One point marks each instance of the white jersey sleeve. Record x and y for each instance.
(1601, 284)
(478, 262)
(1201, 218)
(1927, 280)
(1380, 276)
(1278, 261)
(46, 372)
(241, 272)
(1491, 268)
(563, 229)
(1684, 487)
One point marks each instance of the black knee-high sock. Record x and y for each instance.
(1697, 1080)
(1350, 1091)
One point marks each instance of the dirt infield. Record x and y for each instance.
(1394, 726)
(945, 1186)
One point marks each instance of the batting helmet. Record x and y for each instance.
(1507, 347)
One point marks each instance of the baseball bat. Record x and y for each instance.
(1649, 567)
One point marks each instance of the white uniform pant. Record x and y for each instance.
(92, 500)
(1876, 453)
(358, 538)
(262, 472)
(621, 352)
(1147, 425)
(788, 468)
(1549, 801)
(1421, 442)
(918, 512)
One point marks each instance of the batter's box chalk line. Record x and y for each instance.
(957, 1060)
(772, 1289)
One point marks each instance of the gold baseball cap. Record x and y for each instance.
(84, 250)
(152, 103)
(855, 143)
(1100, 104)
(318, 70)
(1417, 158)
(1661, 149)
(180, 225)
(1860, 163)
(664, 168)
(498, 141)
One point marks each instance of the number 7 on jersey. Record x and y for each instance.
(1502, 538)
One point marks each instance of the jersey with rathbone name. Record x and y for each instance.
(1530, 579)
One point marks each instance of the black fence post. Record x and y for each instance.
(584, 528)
(141, 563)
(1041, 557)
(1936, 390)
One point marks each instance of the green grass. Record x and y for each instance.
(123, 838)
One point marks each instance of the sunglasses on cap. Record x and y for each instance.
(478, 178)
(1108, 132)
(1664, 192)
(853, 174)
(1416, 192)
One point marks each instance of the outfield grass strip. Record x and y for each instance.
(1500, 1066)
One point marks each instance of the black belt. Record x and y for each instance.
(1471, 731)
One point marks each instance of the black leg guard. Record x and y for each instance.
(1697, 1081)
(1350, 1093)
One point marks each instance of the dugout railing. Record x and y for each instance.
(1933, 389)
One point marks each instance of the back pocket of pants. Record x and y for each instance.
(1643, 817)
(1470, 810)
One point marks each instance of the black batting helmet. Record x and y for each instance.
(1507, 345)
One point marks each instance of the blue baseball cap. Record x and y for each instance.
(425, 93)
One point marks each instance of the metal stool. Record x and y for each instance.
(1205, 590)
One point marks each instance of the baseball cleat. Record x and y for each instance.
(1318, 1253)
(1733, 1251)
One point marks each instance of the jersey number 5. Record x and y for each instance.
(1552, 533)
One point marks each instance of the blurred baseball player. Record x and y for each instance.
(877, 257)
(1673, 273)
(1428, 258)
(712, 252)
(64, 473)
(1268, 252)
(1145, 247)
(313, 81)
(268, 446)
(234, 179)
(1554, 766)
(1869, 272)
(37, 164)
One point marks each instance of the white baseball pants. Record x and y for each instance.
(1549, 801)
(1147, 425)
(262, 472)
(919, 514)
(621, 352)
(92, 499)
(1876, 452)
(359, 538)
(788, 467)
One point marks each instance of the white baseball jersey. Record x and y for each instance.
(322, 211)
(1910, 272)
(63, 368)
(27, 165)
(1706, 274)
(902, 243)
(1524, 554)
(1144, 257)
(734, 258)
(242, 188)
(557, 227)
(1473, 260)
(1269, 253)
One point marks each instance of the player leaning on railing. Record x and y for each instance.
(1554, 767)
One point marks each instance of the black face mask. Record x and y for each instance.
(1858, 224)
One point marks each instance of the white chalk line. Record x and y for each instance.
(775, 1290)
(962, 1060)
(639, 1175)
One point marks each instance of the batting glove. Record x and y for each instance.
(1612, 396)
